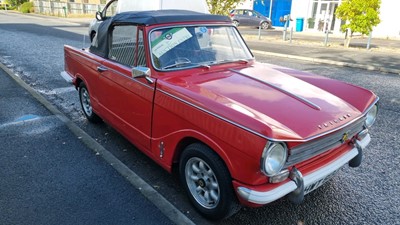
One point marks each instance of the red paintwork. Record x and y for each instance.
(183, 105)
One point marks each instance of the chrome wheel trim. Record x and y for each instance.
(264, 25)
(202, 183)
(86, 105)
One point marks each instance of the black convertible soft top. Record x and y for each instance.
(148, 18)
(166, 16)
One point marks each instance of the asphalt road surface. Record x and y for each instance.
(32, 48)
(48, 176)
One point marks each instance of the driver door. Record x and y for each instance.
(127, 102)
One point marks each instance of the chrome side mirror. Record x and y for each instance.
(99, 16)
(141, 71)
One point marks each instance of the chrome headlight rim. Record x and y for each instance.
(273, 158)
(370, 116)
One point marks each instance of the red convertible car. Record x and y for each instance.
(185, 89)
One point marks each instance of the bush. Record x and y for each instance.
(27, 7)
(3, 7)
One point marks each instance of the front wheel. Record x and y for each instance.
(87, 109)
(207, 182)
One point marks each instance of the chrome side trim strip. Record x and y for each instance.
(110, 69)
(259, 197)
(259, 134)
(301, 99)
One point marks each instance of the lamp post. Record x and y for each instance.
(270, 9)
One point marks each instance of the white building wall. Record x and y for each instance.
(300, 9)
(390, 25)
(389, 14)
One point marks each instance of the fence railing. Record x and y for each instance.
(65, 8)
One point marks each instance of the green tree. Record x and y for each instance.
(222, 7)
(16, 2)
(360, 16)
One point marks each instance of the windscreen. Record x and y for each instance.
(182, 47)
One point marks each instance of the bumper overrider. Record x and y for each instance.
(301, 185)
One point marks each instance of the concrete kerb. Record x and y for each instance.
(331, 62)
(147, 190)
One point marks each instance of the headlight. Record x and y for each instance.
(371, 116)
(273, 158)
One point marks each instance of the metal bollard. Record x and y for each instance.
(369, 41)
(284, 35)
(285, 30)
(291, 34)
(326, 38)
(65, 11)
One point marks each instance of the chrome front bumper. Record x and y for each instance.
(262, 198)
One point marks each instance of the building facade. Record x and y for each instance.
(82, 1)
(319, 15)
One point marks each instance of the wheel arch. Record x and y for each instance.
(188, 140)
(78, 80)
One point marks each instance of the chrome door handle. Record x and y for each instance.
(101, 69)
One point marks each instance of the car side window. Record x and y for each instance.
(126, 43)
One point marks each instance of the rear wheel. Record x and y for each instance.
(207, 182)
(87, 109)
(236, 23)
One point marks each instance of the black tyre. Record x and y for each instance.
(207, 182)
(84, 98)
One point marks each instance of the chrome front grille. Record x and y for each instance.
(310, 149)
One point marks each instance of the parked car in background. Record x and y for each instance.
(248, 17)
(118, 6)
(108, 11)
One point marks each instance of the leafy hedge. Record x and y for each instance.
(27, 7)
(3, 7)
